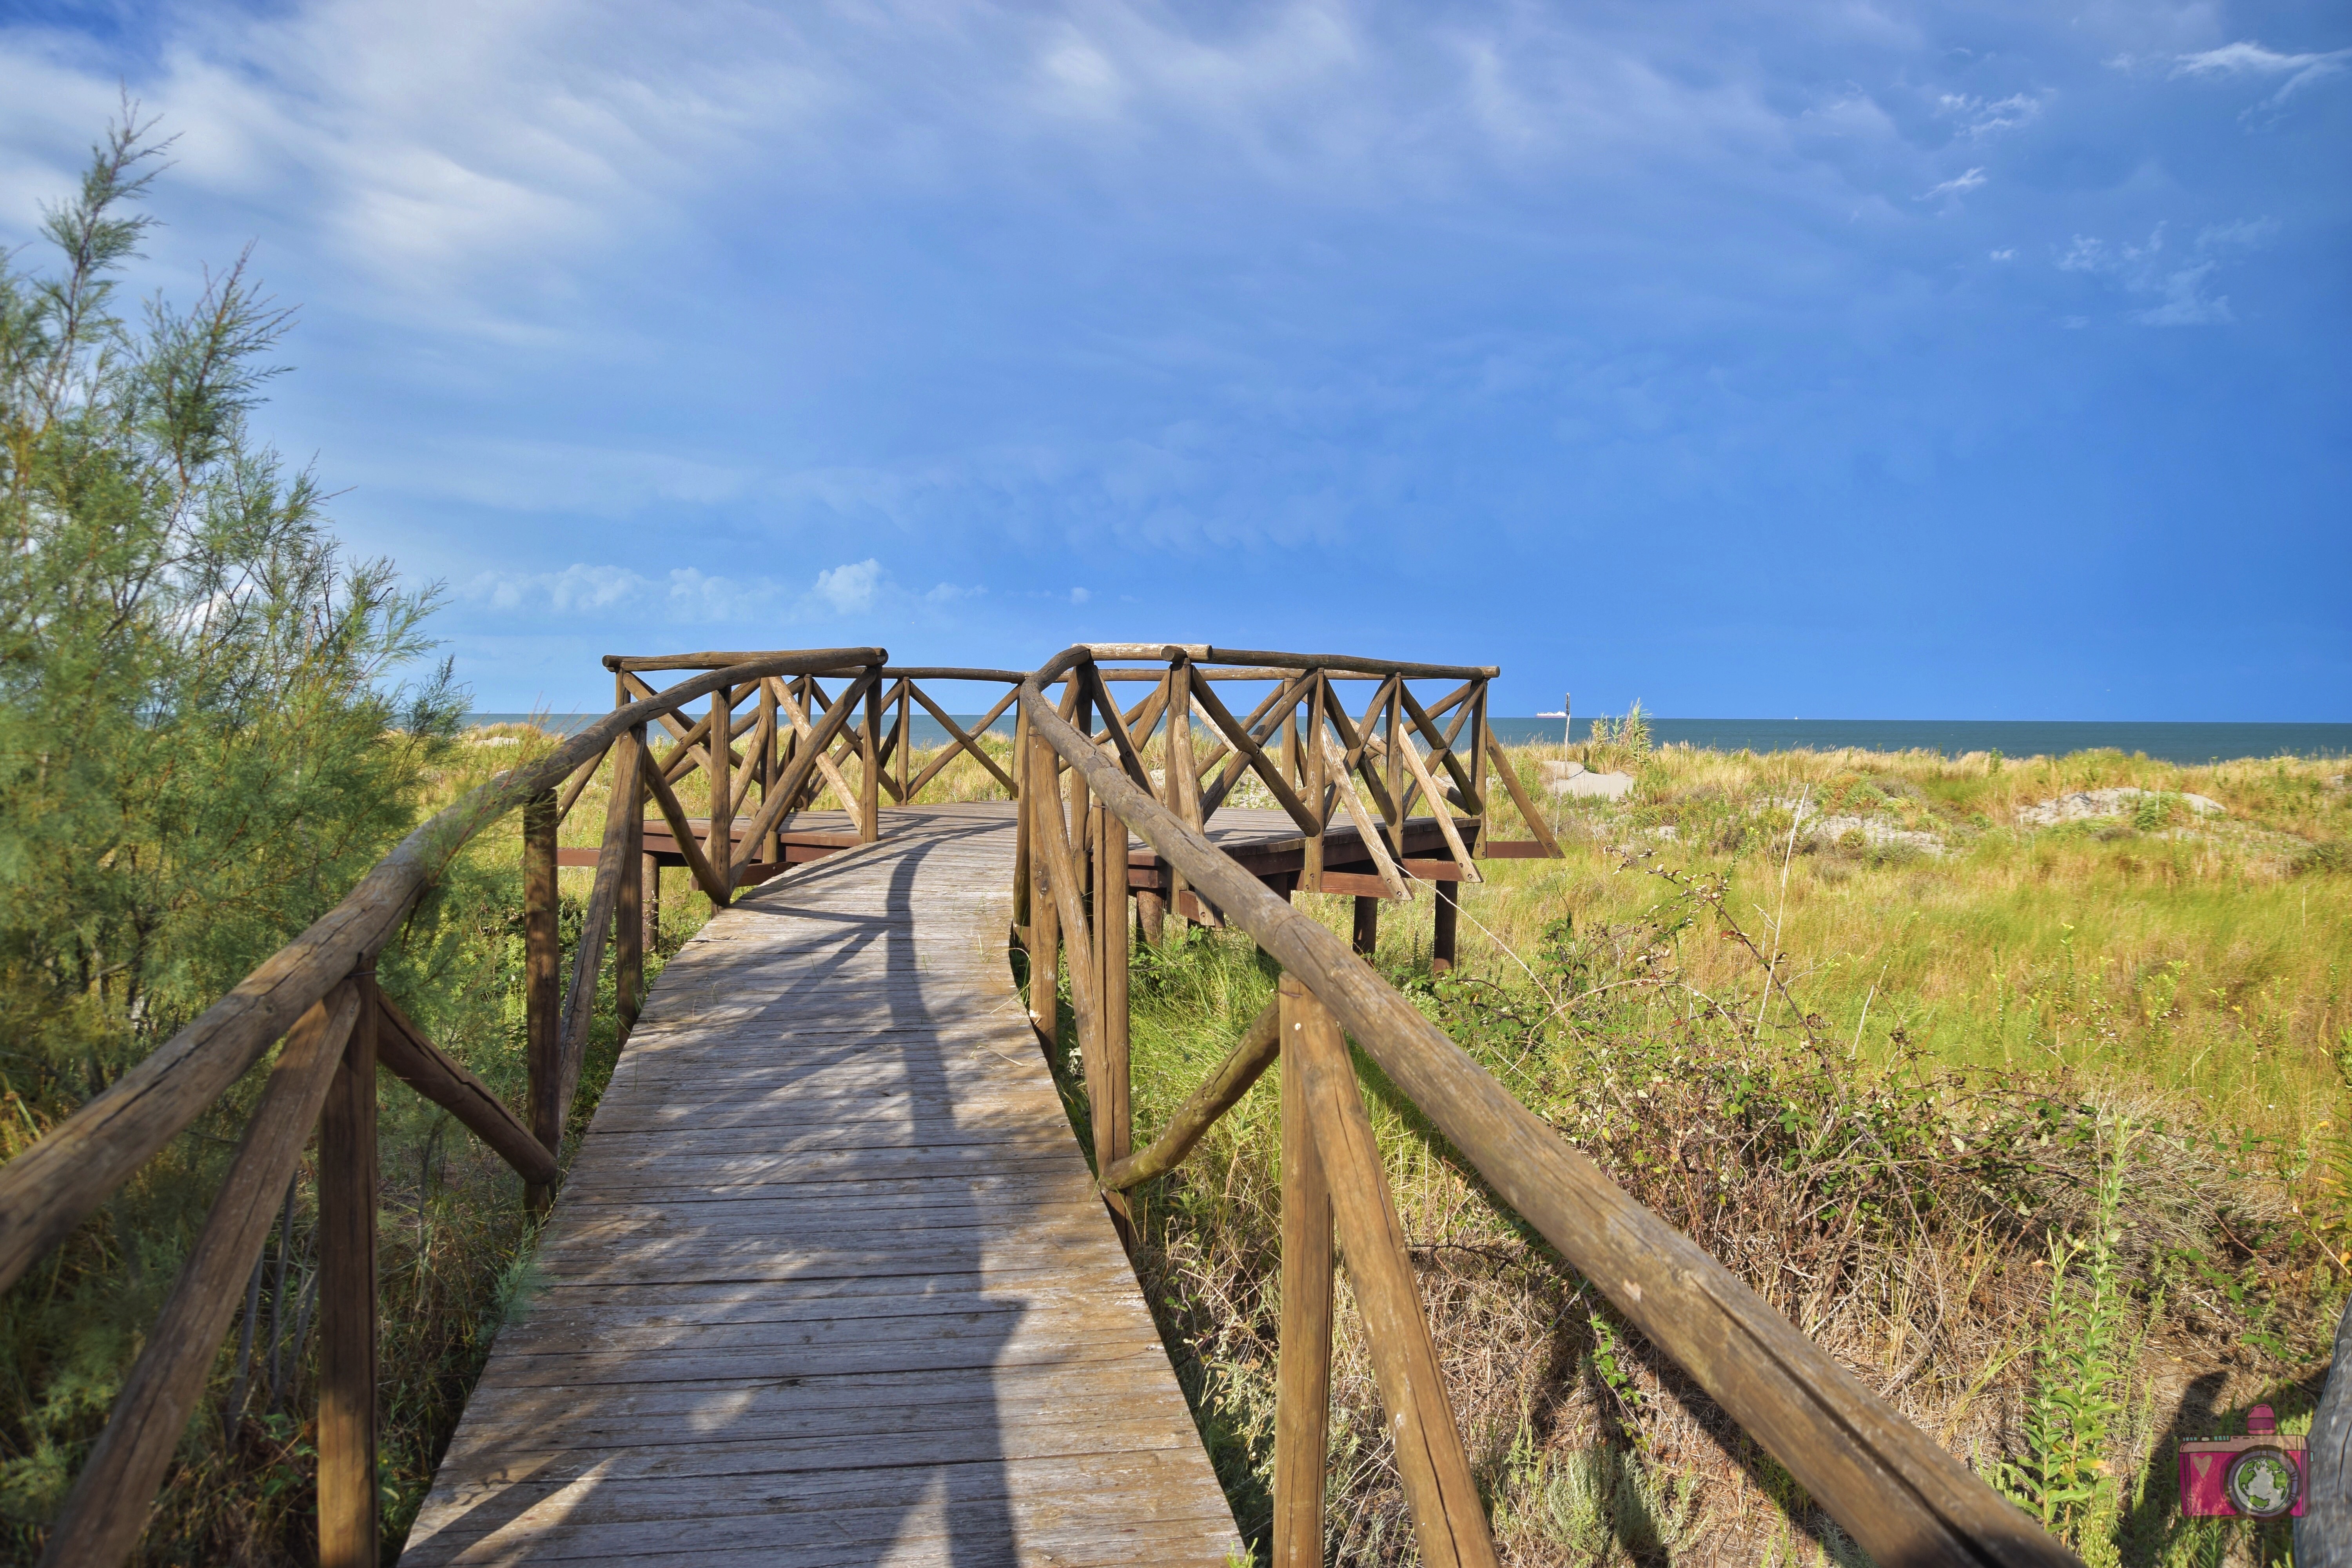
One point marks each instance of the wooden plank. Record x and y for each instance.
(829, 1253)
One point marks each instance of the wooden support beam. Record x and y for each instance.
(1246, 744)
(1448, 1518)
(107, 1509)
(1217, 1093)
(719, 890)
(1112, 1118)
(1302, 1400)
(1528, 812)
(630, 927)
(542, 1001)
(1041, 793)
(1367, 937)
(350, 1532)
(1447, 922)
(613, 862)
(869, 743)
(440, 1077)
(961, 741)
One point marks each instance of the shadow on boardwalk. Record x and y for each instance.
(828, 1282)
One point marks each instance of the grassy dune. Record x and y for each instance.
(2036, 1128)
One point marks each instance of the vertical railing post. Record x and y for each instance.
(542, 983)
(718, 844)
(1395, 769)
(1478, 762)
(1183, 793)
(770, 849)
(348, 1536)
(1310, 869)
(1113, 1124)
(628, 903)
(1151, 903)
(1448, 1518)
(1302, 1406)
(1022, 917)
(869, 784)
(1041, 793)
(906, 736)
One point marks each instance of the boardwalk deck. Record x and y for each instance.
(829, 1282)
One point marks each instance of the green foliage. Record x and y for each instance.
(199, 751)
(2066, 1479)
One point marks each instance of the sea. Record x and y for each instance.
(2171, 743)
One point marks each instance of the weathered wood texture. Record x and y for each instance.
(829, 1282)
(2323, 1537)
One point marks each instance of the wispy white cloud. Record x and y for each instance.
(598, 593)
(2293, 72)
(1980, 118)
(1958, 185)
(2180, 282)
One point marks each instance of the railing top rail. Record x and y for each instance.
(1893, 1488)
(50, 1187)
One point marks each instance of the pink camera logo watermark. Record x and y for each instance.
(2261, 1475)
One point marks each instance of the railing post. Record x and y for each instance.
(718, 846)
(869, 784)
(348, 1536)
(1113, 1129)
(1040, 794)
(1302, 1406)
(770, 848)
(905, 737)
(1151, 903)
(1448, 1518)
(1318, 805)
(542, 983)
(628, 906)
(1183, 782)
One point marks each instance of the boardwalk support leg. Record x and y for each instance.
(1367, 924)
(1449, 919)
(542, 983)
(1302, 1408)
(1447, 1517)
(348, 1536)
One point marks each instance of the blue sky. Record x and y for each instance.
(1858, 359)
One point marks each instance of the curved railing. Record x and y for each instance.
(1892, 1488)
(319, 993)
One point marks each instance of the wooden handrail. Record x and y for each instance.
(1894, 1489)
(48, 1189)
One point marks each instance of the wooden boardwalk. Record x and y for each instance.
(829, 1282)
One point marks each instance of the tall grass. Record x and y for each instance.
(2035, 1133)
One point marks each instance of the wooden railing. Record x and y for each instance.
(319, 994)
(1894, 1489)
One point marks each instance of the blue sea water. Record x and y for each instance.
(2171, 742)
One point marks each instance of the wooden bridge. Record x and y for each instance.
(828, 1280)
